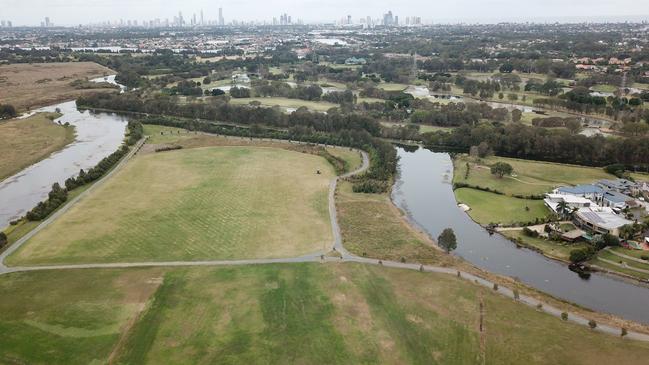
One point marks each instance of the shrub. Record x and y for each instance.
(530, 232)
(581, 254)
(623, 332)
(564, 316)
(3, 239)
(517, 295)
(592, 324)
(495, 287)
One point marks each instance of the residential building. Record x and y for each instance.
(592, 192)
(600, 220)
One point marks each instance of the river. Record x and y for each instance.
(424, 191)
(97, 136)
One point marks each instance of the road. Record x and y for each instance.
(314, 257)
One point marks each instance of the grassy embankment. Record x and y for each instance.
(33, 85)
(210, 203)
(302, 313)
(27, 141)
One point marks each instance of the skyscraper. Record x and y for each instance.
(221, 20)
(202, 19)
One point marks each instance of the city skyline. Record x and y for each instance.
(75, 12)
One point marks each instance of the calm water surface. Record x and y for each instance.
(423, 189)
(98, 135)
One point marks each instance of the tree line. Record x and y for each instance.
(59, 195)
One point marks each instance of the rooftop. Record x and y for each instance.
(602, 217)
(580, 189)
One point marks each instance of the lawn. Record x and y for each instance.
(351, 314)
(320, 106)
(195, 204)
(352, 158)
(27, 141)
(605, 88)
(558, 250)
(69, 317)
(372, 226)
(529, 177)
(489, 208)
(33, 85)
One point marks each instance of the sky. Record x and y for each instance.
(75, 12)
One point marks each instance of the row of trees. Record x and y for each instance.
(521, 141)
(58, 195)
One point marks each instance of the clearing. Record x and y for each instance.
(195, 204)
(33, 85)
(320, 106)
(27, 141)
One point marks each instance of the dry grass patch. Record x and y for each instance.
(27, 141)
(33, 85)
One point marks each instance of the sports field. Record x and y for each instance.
(31, 85)
(280, 314)
(489, 208)
(529, 177)
(195, 204)
(27, 141)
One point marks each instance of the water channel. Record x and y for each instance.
(424, 191)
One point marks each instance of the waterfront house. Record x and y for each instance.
(600, 220)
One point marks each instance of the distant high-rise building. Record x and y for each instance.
(9, 24)
(202, 19)
(349, 19)
(47, 21)
(396, 20)
(388, 19)
(221, 19)
(3, 23)
(369, 21)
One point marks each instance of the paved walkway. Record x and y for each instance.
(630, 258)
(315, 257)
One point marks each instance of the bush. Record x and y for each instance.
(3, 239)
(495, 287)
(581, 254)
(623, 332)
(564, 316)
(645, 257)
(530, 232)
(592, 324)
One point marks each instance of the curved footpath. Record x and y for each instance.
(315, 257)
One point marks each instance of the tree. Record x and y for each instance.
(7, 111)
(506, 68)
(516, 115)
(581, 254)
(501, 169)
(563, 209)
(447, 240)
(3, 239)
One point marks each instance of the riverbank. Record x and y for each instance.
(31, 139)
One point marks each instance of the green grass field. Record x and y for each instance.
(191, 204)
(529, 177)
(27, 141)
(390, 86)
(604, 88)
(69, 317)
(321, 106)
(493, 208)
(280, 314)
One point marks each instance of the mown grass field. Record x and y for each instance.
(195, 204)
(31, 85)
(372, 226)
(281, 314)
(489, 208)
(529, 177)
(321, 106)
(69, 317)
(27, 141)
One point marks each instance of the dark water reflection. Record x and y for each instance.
(423, 189)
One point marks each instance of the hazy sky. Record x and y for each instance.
(71, 12)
